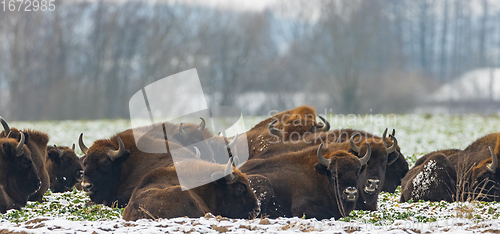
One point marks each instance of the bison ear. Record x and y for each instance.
(124, 157)
(26, 136)
(6, 148)
(392, 158)
(53, 155)
(321, 169)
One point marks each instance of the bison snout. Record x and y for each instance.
(372, 185)
(87, 186)
(351, 194)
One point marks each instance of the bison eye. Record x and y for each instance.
(239, 190)
(26, 163)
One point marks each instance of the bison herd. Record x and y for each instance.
(296, 167)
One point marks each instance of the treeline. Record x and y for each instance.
(85, 59)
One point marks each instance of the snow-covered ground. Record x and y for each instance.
(417, 135)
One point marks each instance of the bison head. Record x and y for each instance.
(64, 168)
(342, 169)
(373, 172)
(103, 165)
(235, 197)
(396, 165)
(485, 178)
(19, 174)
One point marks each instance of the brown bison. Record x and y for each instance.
(372, 175)
(114, 167)
(311, 182)
(18, 175)
(433, 179)
(36, 142)
(477, 170)
(160, 195)
(288, 126)
(64, 168)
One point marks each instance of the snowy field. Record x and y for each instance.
(417, 135)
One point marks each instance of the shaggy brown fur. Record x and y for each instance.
(160, 195)
(302, 186)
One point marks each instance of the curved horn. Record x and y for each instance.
(394, 132)
(326, 125)
(325, 162)
(275, 131)
(353, 146)
(73, 147)
(5, 125)
(233, 142)
(198, 154)
(202, 124)
(181, 131)
(82, 145)
(115, 154)
(394, 145)
(228, 170)
(19, 147)
(59, 151)
(494, 161)
(367, 156)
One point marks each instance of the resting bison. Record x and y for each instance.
(477, 170)
(288, 126)
(64, 168)
(36, 142)
(433, 179)
(397, 166)
(114, 167)
(18, 175)
(308, 183)
(159, 195)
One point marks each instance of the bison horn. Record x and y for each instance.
(367, 156)
(394, 132)
(19, 147)
(181, 131)
(394, 145)
(325, 162)
(82, 145)
(494, 161)
(115, 154)
(198, 154)
(59, 151)
(326, 125)
(233, 142)
(384, 135)
(275, 131)
(73, 147)
(5, 125)
(228, 170)
(353, 146)
(202, 124)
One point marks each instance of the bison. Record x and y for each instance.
(64, 168)
(36, 142)
(115, 166)
(18, 174)
(288, 126)
(160, 195)
(433, 179)
(311, 183)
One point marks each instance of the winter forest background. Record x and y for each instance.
(87, 58)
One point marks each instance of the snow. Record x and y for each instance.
(416, 134)
(479, 84)
(424, 179)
